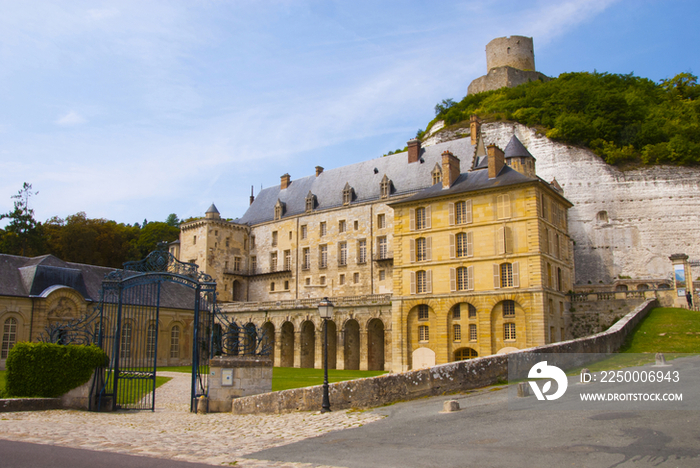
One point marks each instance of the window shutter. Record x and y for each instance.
(429, 281)
(516, 274)
(453, 280)
(551, 242)
(545, 244)
(470, 244)
(412, 219)
(470, 273)
(506, 206)
(508, 238)
(413, 282)
(496, 276)
(469, 211)
(500, 241)
(429, 248)
(451, 211)
(428, 222)
(499, 207)
(412, 249)
(452, 246)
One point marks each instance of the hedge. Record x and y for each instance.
(49, 370)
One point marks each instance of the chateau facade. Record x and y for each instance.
(431, 255)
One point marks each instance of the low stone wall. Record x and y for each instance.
(437, 380)
(237, 376)
(78, 398)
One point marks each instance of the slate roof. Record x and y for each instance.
(515, 148)
(38, 276)
(364, 178)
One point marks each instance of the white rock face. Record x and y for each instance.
(624, 223)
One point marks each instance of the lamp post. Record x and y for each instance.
(325, 310)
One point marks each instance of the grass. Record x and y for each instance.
(285, 378)
(2, 383)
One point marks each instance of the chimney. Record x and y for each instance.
(475, 127)
(252, 198)
(285, 181)
(496, 160)
(450, 169)
(319, 170)
(413, 150)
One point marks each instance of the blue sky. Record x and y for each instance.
(131, 110)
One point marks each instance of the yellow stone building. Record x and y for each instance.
(435, 254)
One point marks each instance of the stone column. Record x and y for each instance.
(277, 351)
(318, 347)
(398, 338)
(682, 279)
(364, 348)
(297, 347)
(340, 348)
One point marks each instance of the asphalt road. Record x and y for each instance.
(487, 433)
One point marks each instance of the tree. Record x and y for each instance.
(443, 106)
(154, 233)
(172, 220)
(22, 236)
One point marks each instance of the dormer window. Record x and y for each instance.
(436, 174)
(279, 210)
(385, 187)
(310, 202)
(348, 194)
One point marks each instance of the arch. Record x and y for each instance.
(664, 286)
(420, 326)
(287, 345)
(642, 287)
(462, 354)
(422, 358)
(250, 340)
(237, 291)
(351, 345)
(268, 344)
(602, 217)
(508, 325)
(375, 345)
(232, 344)
(621, 287)
(308, 345)
(332, 345)
(175, 335)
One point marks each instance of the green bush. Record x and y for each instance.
(49, 370)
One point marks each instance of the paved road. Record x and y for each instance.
(486, 433)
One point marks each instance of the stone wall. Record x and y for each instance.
(437, 380)
(237, 376)
(623, 223)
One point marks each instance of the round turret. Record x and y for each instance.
(514, 51)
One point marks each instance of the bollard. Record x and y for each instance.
(450, 406)
(660, 360)
(202, 405)
(523, 389)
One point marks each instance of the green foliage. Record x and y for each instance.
(22, 236)
(154, 233)
(622, 118)
(3, 383)
(49, 370)
(285, 378)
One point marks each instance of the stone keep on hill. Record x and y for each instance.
(623, 223)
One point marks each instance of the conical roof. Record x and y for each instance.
(516, 149)
(212, 209)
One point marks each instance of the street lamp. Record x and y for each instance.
(325, 310)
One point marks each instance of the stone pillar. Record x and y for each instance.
(277, 351)
(318, 347)
(297, 347)
(340, 349)
(364, 349)
(399, 347)
(682, 279)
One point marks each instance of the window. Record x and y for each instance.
(341, 279)
(508, 308)
(253, 264)
(310, 202)
(560, 286)
(472, 332)
(273, 261)
(382, 275)
(194, 240)
(323, 256)
(545, 211)
(463, 279)
(278, 210)
(228, 241)
(347, 194)
(362, 251)
(286, 285)
(151, 341)
(423, 334)
(252, 242)
(341, 226)
(421, 249)
(355, 278)
(305, 258)
(463, 212)
(423, 312)
(272, 286)
(274, 238)
(506, 275)
(323, 228)
(342, 253)
(287, 260)
(290, 235)
(420, 218)
(472, 311)
(381, 221)
(322, 280)
(125, 344)
(457, 332)
(456, 312)
(236, 263)
(9, 337)
(504, 240)
(385, 187)
(463, 244)
(421, 282)
(307, 281)
(436, 174)
(382, 248)
(503, 206)
(465, 353)
(556, 252)
(509, 331)
(303, 231)
(356, 225)
(175, 342)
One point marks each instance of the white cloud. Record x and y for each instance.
(70, 119)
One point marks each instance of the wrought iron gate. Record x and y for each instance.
(127, 328)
